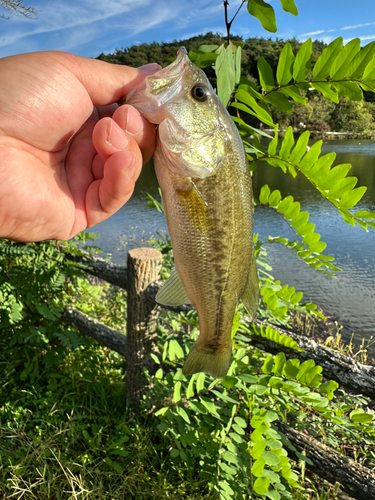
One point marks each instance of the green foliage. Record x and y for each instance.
(227, 429)
(308, 247)
(198, 437)
(36, 282)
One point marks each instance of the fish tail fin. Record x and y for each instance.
(200, 359)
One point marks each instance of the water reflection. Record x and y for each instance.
(351, 296)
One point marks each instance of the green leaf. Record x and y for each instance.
(177, 392)
(258, 448)
(369, 73)
(208, 48)
(361, 417)
(291, 368)
(201, 377)
(272, 146)
(361, 60)
(328, 388)
(280, 101)
(237, 66)
(341, 65)
(279, 362)
(230, 457)
(302, 64)
(273, 495)
(264, 12)
(258, 467)
(293, 92)
(265, 75)
(284, 70)
(225, 487)
(241, 422)
(289, 6)
(350, 90)
(203, 59)
(275, 198)
(226, 468)
(324, 63)
(224, 69)
(258, 110)
(181, 411)
(300, 148)
(261, 485)
(264, 194)
(326, 90)
(287, 144)
(349, 200)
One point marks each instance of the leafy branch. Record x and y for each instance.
(333, 184)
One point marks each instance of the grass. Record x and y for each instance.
(71, 436)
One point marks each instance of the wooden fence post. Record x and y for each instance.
(144, 266)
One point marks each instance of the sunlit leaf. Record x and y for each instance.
(323, 65)
(264, 12)
(284, 71)
(265, 75)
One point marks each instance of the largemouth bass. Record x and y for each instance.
(203, 174)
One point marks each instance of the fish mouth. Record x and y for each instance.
(157, 89)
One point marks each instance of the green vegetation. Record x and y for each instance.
(65, 430)
(317, 114)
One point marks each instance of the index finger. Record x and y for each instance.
(106, 83)
(134, 124)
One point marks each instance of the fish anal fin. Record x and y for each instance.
(250, 295)
(213, 363)
(172, 292)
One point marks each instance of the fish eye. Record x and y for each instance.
(199, 92)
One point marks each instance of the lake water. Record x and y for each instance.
(350, 296)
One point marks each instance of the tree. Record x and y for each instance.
(17, 7)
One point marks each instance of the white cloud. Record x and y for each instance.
(357, 26)
(312, 33)
(362, 38)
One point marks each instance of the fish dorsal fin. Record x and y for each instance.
(250, 296)
(172, 292)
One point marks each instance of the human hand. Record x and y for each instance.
(69, 156)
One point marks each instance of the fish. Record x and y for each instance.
(206, 187)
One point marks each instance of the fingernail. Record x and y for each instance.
(133, 121)
(129, 166)
(150, 68)
(115, 136)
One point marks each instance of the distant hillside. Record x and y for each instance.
(318, 115)
(138, 55)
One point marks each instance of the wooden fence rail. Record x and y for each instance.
(140, 279)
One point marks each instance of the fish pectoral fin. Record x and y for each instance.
(250, 296)
(199, 193)
(172, 292)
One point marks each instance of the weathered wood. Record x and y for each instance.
(90, 327)
(356, 480)
(346, 371)
(100, 268)
(144, 266)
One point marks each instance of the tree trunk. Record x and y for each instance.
(356, 480)
(346, 371)
(114, 340)
(144, 265)
(107, 271)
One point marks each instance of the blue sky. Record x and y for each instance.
(89, 27)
